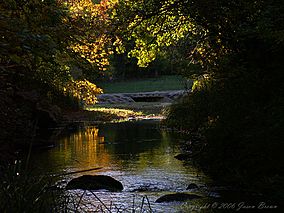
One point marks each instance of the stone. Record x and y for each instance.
(192, 186)
(156, 96)
(177, 197)
(146, 188)
(95, 182)
(183, 156)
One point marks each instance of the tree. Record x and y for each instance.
(56, 43)
(51, 52)
(237, 103)
(209, 30)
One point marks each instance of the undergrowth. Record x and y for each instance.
(241, 121)
(23, 191)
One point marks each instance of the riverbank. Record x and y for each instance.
(115, 144)
(241, 137)
(101, 113)
(138, 154)
(53, 125)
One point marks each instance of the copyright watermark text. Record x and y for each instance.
(237, 206)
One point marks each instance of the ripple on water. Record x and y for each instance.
(137, 154)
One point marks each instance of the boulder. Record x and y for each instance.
(146, 188)
(192, 186)
(185, 156)
(177, 197)
(95, 182)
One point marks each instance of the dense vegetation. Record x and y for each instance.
(234, 51)
(237, 100)
(47, 57)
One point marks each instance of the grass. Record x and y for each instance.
(132, 109)
(100, 114)
(23, 191)
(119, 112)
(163, 83)
(116, 112)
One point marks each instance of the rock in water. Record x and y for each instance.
(183, 156)
(95, 182)
(177, 197)
(192, 186)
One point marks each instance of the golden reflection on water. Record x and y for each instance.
(139, 155)
(117, 148)
(85, 147)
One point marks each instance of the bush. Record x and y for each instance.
(242, 121)
(20, 191)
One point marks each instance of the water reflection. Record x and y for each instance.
(85, 148)
(136, 153)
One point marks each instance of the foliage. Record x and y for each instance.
(237, 103)
(123, 68)
(48, 43)
(91, 22)
(83, 90)
(243, 133)
(158, 36)
(156, 26)
(206, 36)
(22, 192)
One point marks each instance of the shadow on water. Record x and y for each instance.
(138, 154)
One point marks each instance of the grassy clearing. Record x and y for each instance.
(163, 83)
(115, 112)
(119, 112)
(131, 109)
(99, 114)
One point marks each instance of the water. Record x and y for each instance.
(138, 154)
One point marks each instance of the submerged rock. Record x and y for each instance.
(177, 197)
(184, 156)
(95, 182)
(146, 189)
(192, 186)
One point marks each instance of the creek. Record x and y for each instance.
(138, 154)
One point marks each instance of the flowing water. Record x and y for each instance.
(138, 154)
